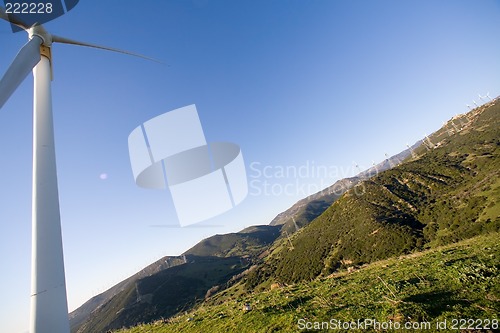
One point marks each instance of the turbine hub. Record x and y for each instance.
(39, 31)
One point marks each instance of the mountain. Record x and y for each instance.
(248, 242)
(448, 191)
(100, 314)
(248, 245)
(307, 209)
(118, 306)
(163, 294)
(82, 314)
(174, 284)
(440, 191)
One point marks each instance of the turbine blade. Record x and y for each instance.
(11, 18)
(63, 40)
(23, 63)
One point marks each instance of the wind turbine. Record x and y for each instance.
(290, 241)
(49, 308)
(295, 224)
(448, 129)
(429, 143)
(488, 95)
(470, 108)
(481, 97)
(357, 167)
(413, 155)
(389, 160)
(473, 101)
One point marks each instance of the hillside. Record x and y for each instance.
(162, 294)
(100, 312)
(436, 193)
(461, 280)
(82, 314)
(307, 209)
(248, 242)
(105, 310)
(447, 192)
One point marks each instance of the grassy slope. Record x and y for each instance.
(461, 280)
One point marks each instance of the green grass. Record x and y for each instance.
(460, 280)
(492, 210)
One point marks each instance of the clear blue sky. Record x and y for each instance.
(298, 83)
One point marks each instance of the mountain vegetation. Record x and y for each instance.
(248, 242)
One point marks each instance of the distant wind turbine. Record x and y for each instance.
(448, 129)
(49, 308)
(389, 160)
(357, 166)
(290, 241)
(411, 150)
(429, 144)
(488, 95)
(481, 97)
(473, 101)
(295, 224)
(470, 108)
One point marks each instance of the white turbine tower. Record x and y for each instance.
(473, 101)
(488, 95)
(481, 97)
(49, 308)
(295, 224)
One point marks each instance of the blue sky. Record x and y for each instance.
(311, 84)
